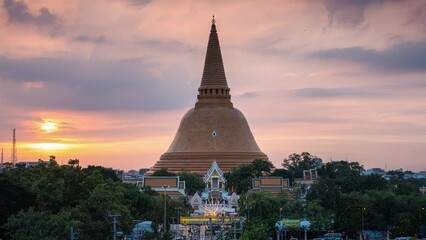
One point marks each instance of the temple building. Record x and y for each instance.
(213, 130)
(214, 200)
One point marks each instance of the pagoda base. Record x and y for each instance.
(201, 162)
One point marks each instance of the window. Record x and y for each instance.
(215, 182)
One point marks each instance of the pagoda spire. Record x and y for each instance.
(213, 83)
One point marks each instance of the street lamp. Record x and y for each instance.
(421, 228)
(362, 221)
(248, 214)
(165, 217)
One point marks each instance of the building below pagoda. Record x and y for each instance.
(213, 130)
(214, 200)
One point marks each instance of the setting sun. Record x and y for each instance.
(48, 126)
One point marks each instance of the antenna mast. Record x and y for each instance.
(14, 155)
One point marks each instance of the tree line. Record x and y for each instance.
(45, 201)
(342, 199)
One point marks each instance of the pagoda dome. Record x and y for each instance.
(213, 130)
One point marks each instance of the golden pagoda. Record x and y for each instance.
(213, 130)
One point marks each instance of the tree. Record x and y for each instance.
(239, 180)
(340, 169)
(108, 197)
(107, 173)
(296, 163)
(31, 224)
(13, 198)
(163, 172)
(327, 191)
(405, 187)
(404, 224)
(320, 218)
(193, 182)
(74, 162)
(261, 167)
(284, 173)
(349, 212)
(397, 174)
(260, 208)
(258, 232)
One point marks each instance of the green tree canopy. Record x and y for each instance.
(193, 182)
(296, 163)
(44, 201)
(340, 169)
(239, 180)
(163, 172)
(284, 173)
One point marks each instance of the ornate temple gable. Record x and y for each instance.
(214, 179)
(196, 200)
(214, 171)
(233, 200)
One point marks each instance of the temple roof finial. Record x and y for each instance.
(213, 30)
(214, 72)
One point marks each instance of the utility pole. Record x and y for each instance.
(235, 229)
(222, 228)
(114, 217)
(14, 155)
(248, 214)
(211, 229)
(2, 156)
(74, 234)
(165, 208)
(179, 208)
(362, 222)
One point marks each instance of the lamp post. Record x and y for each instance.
(178, 208)
(421, 228)
(280, 230)
(248, 214)
(362, 222)
(165, 204)
(248, 207)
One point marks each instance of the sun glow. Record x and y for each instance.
(49, 146)
(48, 126)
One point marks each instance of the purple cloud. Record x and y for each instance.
(18, 12)
(409, 56)
(348, 12)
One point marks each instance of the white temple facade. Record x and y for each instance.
(214, 200)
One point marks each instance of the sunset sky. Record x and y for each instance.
(107, 82)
